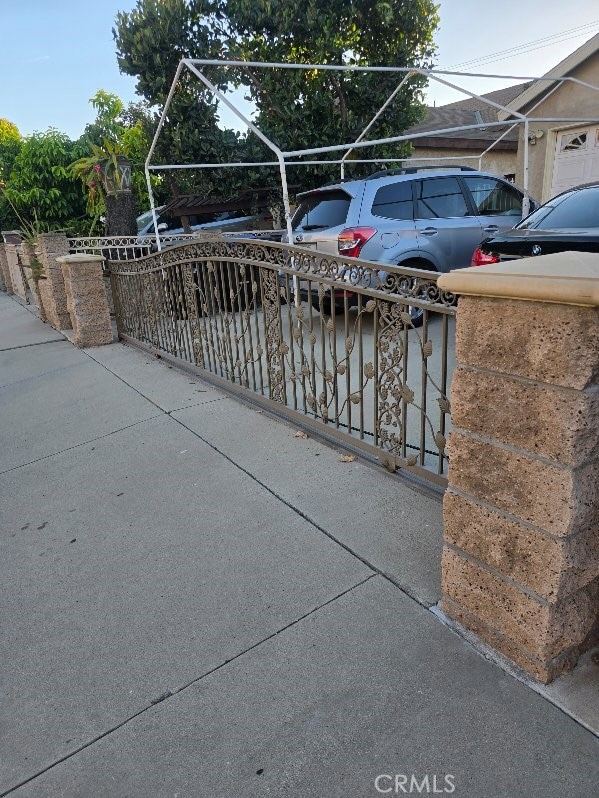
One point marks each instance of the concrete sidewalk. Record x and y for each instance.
(198, 603)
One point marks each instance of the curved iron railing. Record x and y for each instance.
(328, 341)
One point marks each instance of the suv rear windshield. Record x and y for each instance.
(321, 210)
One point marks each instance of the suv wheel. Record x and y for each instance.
(417, 313)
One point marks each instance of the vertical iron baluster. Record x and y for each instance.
(347, 360)
(185, 336)
(180, 314)
(233, 297)
(404, 404)
(152, 286)
(247, 314)
(202, 302)
(258, 292)
(290, 321)
(335, 381)
(376, 342)
(172, 308)
(115, 287)
(240, 294)
(281, 340)
(361, 366)
(324, 334)
(168, 308)
(228, 319)
(312, 365)
(222, 318)
(302, 355)
(423, 389)
(443, 386)
(213, 314)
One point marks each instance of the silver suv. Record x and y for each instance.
(426, 218)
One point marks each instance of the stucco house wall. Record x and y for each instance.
(500, 162)
(570, 100)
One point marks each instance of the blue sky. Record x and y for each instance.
(56, 55)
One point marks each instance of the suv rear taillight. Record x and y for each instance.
(352, 239)
(479, 258)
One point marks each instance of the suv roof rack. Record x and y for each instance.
(412, 170)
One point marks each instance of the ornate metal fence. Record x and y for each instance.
(114, 247)
(132, 247)
(329, 342)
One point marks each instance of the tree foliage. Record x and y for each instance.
(151, 40)
(10, 146)
(117, 130)
(295, 108)
(39, 188)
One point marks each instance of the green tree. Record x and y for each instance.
(296, 109)
(116, 130)
(151, 40)
(311, 108)
(40, 187)
(10, 146)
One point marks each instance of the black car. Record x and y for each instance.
(567, 222)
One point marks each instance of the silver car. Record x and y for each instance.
(420, 217)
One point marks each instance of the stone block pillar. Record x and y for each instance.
(51, 246)
(6, 281)
(86, 299)
(15, 272)
(521, 557)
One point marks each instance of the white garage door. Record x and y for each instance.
(576, 158)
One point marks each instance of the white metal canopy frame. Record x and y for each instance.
(194, 65)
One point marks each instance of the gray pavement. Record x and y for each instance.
(197, 603)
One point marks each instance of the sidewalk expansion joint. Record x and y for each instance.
(145, 396)
(166, 696)
(78, 445)
(273, 493)
(35, 343)
(195, 404)
(307, 518)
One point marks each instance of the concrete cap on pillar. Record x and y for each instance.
(567, 278)
(82, 258)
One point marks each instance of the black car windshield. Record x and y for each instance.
(321, 210)
(577, 209)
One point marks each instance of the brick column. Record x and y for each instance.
(27, 256)
(521, 557)
(6, 278)
(51, 246)
(14, 270)
(86, 299)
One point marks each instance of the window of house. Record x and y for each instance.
(573, 141)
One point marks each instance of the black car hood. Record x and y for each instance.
(520, 243)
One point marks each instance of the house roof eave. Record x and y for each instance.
(440, 142)
(569, 64)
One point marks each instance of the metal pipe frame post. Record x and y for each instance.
(153, 147)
